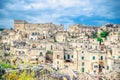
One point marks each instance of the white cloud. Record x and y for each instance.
(65, 7)
(58, 11)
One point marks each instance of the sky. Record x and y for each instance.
(66, 12)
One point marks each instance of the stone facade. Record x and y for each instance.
(73, 48)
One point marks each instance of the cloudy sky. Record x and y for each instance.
(67, 12)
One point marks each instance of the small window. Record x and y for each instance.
(51, 47)
(36, 33)
(93, 58)
(40, 46)
(57, 62)
(119, 57)
(101, 57)
(107, 67)
(83, 69)
(64, 57)
(114, 57)
(82, 51)
(31, 38)
(72, 56)
(58, 56)
(95, 66)
(41, 54)
(33, 34)
(68, 56)
(82, 57)
(83, 64)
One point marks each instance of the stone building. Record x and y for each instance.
(72, 48)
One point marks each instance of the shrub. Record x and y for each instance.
(48, 52)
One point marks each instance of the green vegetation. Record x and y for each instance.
(22, 76)
(49, 52)
(1, 73)
(55, 39)
(99, 40)
(94, 35)
(6, 65)
(99, 37)
(104, 34)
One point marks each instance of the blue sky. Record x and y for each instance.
(66, 12)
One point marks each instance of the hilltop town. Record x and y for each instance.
(80, 52)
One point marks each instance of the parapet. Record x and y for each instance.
(20, 21)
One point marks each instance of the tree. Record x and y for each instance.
(104, 34)
(99, 40)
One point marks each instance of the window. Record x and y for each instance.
(95, 47)
(58, 56)
(64, 57)
(51, 47)
(119, 57)
(68, 56)
(82, 57)
(83, 64)
(41, 54)
(114, 57)
(83, 69)
(101, 57)
(40, 46)
(82, 51)
(33, 34)
(81, 46)
(93, 58)
(57, 62)
(107, 67)
(95, 66)
(36, 33)
(72, 56)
